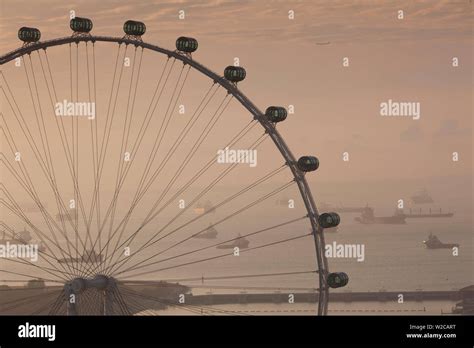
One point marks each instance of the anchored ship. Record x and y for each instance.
(433, 242)
(367, 217)
(22, 238)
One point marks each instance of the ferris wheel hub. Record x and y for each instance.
(99, 282)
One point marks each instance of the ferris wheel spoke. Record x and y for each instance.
(163, 302)
(53, 256)
(110, 115)
(70, 158)
(29, 301)
(38, 232)
(48, 305)
(164, 125)
(143, 128)
(188, 157)
(235, 213)
(29, 137)
(58, 303)
(153, 151)
(122, 150)
(271, 228)
(16, 209)
(28, 186)
(180, 138)
(223, 202)
(219, 256)
(221, 108)
(118, 294)
(75, 167)
(108, 125)
(202, 193)
(203, 278)
(108, 122)
(26, 131)
(196, 309)
(110, 205)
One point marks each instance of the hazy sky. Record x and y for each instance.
(337, 108)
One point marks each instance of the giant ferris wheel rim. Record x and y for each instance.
(258, 115)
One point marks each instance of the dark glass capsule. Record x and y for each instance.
(134, 28)
(29, 34)
(337, 280)
(308, 163)
(80, 25)
(234, 73)
(328, 220)
(186, 44)
(276, 113)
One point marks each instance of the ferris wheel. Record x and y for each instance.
(146, 184)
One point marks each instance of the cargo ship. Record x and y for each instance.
(433, 242)
(367, 217)
(22, 238)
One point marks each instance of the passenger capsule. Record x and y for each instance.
(80, 25)
(337, 280)
(134, 28)
(234, 73)
(29, 34)
(186, 44)
(308, 163)
(328, 220)
(276, 113)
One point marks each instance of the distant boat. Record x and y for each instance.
(422, 197)
(368, 217)
(433, 242)
(89, 256)
(240, 242)
(210, 233)
(323, 43)
(23, 238)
